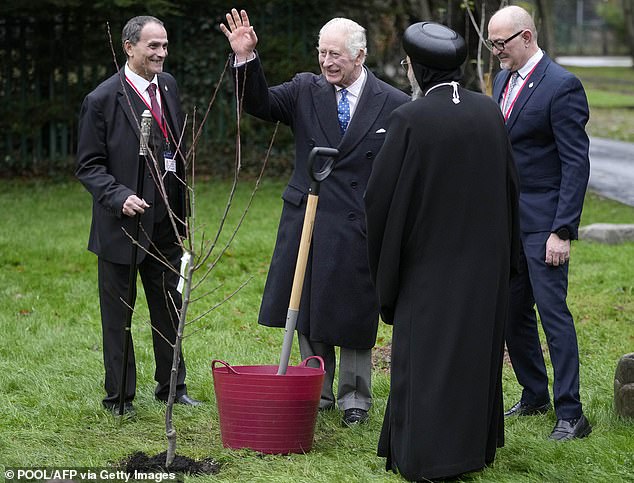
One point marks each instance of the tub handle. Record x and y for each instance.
(231, 369)
(304, 363)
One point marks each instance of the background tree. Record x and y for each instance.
(628, 10)
(545, 27)
(55, 51)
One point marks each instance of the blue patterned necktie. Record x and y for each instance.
(343, 111)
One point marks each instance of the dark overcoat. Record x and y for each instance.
(442, 230)
(338, 305)
(108, 161)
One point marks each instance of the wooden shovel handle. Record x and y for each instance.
(304, 250)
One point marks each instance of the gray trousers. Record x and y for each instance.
(355, 374)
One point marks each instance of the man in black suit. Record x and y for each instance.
(346, 107)
(108, 166)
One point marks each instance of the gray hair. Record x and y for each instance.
(417, 92)
(355, 35)
(132, 30)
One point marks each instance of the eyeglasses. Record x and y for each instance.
(404, 64)
(500, 44)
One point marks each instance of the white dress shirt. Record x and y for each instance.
(509, 97)
(142, 84)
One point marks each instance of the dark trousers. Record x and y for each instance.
(546, 287)
(157, 282)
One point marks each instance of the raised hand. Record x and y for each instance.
(240, 34)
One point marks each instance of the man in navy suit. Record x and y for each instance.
(546, 110)
(108, 166)
(346, 107)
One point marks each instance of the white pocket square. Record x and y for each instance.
(380, 131)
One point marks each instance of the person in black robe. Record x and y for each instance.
(441, 207)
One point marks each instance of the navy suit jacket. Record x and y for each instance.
(550, 147)
(108, 162)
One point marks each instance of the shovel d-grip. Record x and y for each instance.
(304, 247)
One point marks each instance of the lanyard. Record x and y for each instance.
(161, 122)
(506, 93)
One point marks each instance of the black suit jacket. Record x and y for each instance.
(108, 162)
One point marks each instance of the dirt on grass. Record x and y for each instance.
(141, 463)
(382, 357)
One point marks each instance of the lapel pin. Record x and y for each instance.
(166, 87)
(530, 86)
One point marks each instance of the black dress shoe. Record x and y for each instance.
(128, 408)
(523, 409)
(354, 416)
(185, 400)
(567, 429)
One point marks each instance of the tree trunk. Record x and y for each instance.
(489, 8)
(628, 13)
(482, 64)
(170, 431)
(547, 29)
(418, 9)
(425, 10)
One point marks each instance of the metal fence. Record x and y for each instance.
(49, 65)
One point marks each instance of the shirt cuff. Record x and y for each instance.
(240, 64)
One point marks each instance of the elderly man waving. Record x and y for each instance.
(346, 107)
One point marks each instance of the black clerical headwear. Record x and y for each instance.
(434, 45)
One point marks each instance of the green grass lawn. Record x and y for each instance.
(610, 93)
(51, 363)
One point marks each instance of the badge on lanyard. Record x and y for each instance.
(170, 162)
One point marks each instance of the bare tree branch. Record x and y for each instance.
(148, 253)
(222, 302)
(245, 211)
(206, 294)
(234, 185)
(211, 102)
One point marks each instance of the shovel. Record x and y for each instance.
(146, 126)
(304, 248)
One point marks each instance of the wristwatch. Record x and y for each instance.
(563, 233)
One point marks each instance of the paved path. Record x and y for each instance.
(611, 162)
(612, 169)
(589, 61)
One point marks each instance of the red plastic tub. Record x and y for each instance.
(265, 412)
